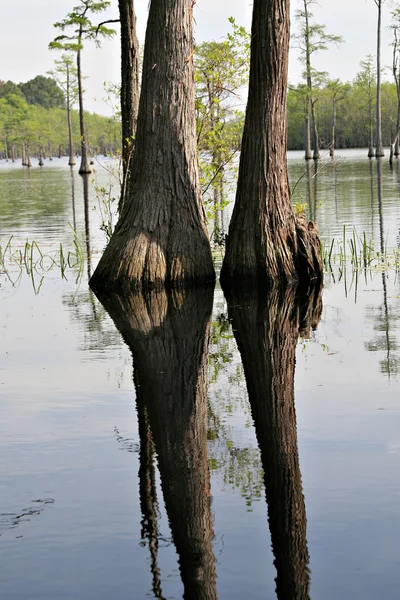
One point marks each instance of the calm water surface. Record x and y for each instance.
(198, 446)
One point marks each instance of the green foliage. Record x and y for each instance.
(43, 91)
(9, 87)
(82, 28)
(221, 78)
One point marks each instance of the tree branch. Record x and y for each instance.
(104, 22)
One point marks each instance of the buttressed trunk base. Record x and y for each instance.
(161, 237)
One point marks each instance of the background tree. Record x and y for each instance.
(298, 110)
(338, 92)
(129, 78)
(266, 242)
(221, 74)
(161, 237)
(43, 91)
(395, 70)
(311, 38)
(66, 76)
(78, 20)
(9, 87)
(129, 90)
(366, 81)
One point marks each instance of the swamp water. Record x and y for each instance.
(177, 446)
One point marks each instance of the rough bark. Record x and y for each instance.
(129, 77)
(84, 166)
(161, 237)
(168, 337)
(379, 147)
(266, 329)
(266, 242)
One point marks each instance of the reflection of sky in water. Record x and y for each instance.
(66, 387)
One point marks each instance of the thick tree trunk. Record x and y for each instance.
(266, 329)
(84, 166)
(167, 334)
(379, 147)
(266, 242)
(161, 237)
(129, 78)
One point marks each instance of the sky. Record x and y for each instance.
(26, 28)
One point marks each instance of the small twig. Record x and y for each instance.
(219, 169)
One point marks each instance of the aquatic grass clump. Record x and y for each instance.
(32, 260)
(358, 252)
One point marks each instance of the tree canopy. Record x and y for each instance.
(43, 91)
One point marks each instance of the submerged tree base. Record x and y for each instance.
(291, 254)
(139, 261)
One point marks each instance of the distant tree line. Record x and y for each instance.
(352, 113)
(33, 123)
(34, 113)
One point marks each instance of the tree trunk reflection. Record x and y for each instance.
(266, 328)
(167, 334)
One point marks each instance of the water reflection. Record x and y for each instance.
(85, 179)
(315, 190)
(73, 199)
(371, 176)
(385, 339)
(266, 328)
(309, 192)
(167, 334)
